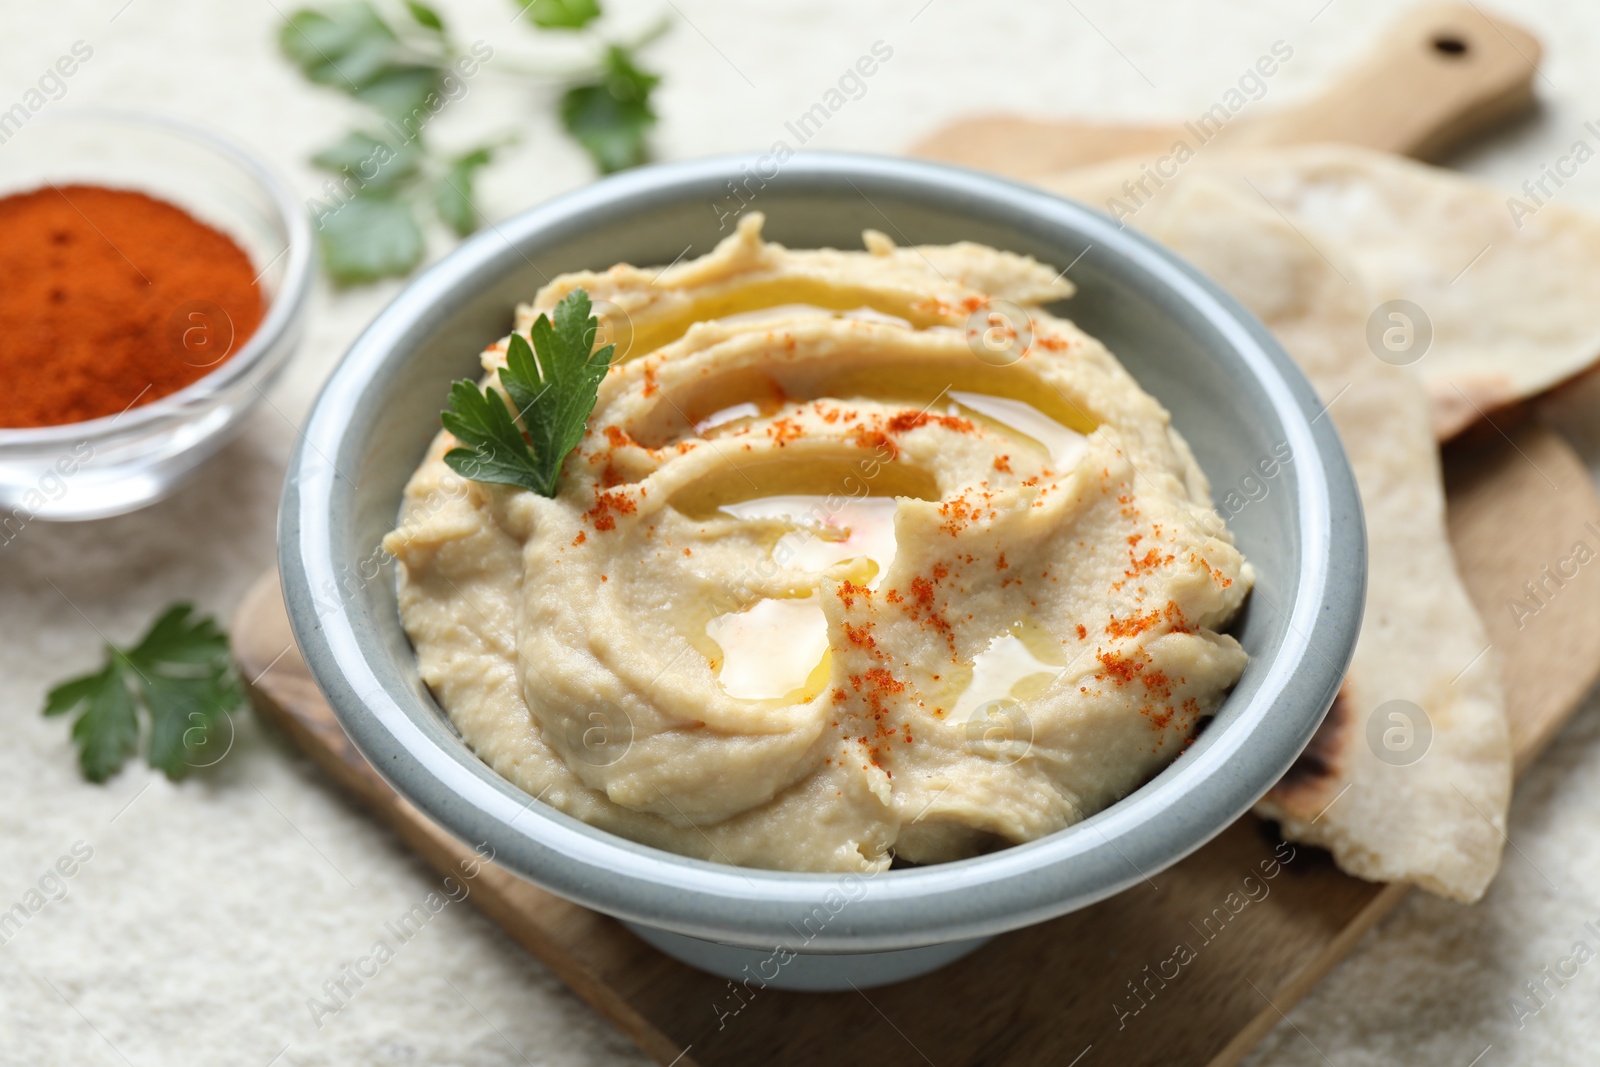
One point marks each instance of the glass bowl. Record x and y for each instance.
(116, 464)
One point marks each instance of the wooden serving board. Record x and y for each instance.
(1441, 75)
(1047, 994)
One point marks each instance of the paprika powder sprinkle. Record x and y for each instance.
(110, 299)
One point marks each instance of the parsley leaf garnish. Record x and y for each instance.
(350, 46)
(182, 676)
(370, 237)
(426, 17)
(563, 14)
(611, 115)
(552, 385)
(376, 165)
(405, 65)
(453, 196)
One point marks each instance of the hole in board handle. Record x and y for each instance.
(1450, 46)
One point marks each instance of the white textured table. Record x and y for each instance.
(211, 911)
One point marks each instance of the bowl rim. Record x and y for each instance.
(284, 310)
(976, 897)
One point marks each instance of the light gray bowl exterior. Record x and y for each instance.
(1233, 393)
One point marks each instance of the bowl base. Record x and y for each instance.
(810, 972)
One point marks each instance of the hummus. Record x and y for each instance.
(862, 555)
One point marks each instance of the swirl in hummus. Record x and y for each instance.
(820, 587)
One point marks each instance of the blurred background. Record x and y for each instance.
(213, 908)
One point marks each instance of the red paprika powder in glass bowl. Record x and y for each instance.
(153, 281)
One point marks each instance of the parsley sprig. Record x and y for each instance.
(179, 672)
(611, 114)
(391, 67)
(387, 176)
(552, 386)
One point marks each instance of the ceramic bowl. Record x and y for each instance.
(1232, 391)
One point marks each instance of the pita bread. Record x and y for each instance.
(1432, 811)
(1505, 282)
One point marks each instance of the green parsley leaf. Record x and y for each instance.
(108, 729)
(453, 197)
(561, 14)
(611, 116)
(375, 165)
(401, 93)
(370, 237)
(556, 393)
(179, 673)
(553, 386)
(425, 16)
(344, 45)
(495, 449)
(349, 46)
(396, 64)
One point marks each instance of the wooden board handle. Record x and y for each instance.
(1442, 74)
